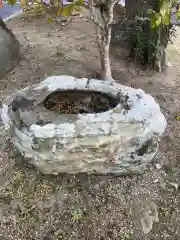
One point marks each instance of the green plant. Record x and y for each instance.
(146, 46)
(162, 15)
(142, 42)
(124, 236)
(152, 33)
(76, 214)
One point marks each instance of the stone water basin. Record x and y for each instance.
(71, 125)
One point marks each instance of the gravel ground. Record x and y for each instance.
(34, 206)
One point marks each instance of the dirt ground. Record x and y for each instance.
(38, 207)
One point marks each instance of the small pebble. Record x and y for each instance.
(158, 166)
(169, 64)
(156, 181)
(175, 185)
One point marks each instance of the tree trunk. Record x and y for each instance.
(103, 19)
(130, 9)
(150, 43)
(103, 41)
(105, 64)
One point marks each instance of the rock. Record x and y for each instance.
(156, 180)
(169, 64)
(175, 185)
(149, 216)
(133, 72)
(158, 166)
(120, 138)
(9, 49)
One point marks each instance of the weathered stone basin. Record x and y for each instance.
(65, 124)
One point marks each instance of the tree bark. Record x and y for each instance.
(152, 55)
(103, 41)
(105, 63)
(130, 10)
(103, 19)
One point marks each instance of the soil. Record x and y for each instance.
(88, 207)
(79, 102)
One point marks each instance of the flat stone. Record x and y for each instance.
(121, 140)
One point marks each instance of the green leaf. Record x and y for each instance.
(166, 19)
(59, 11)
(70, 8)
(11, 2)
(165, 11)
(178, 14)
(153, 23)
(165, 7)
(155, 20)
(163, 16)
(150, 12)
(158, 19)
(67, 11)
(78, 2)
(50, 19)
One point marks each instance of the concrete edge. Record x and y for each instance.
(13, 15)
